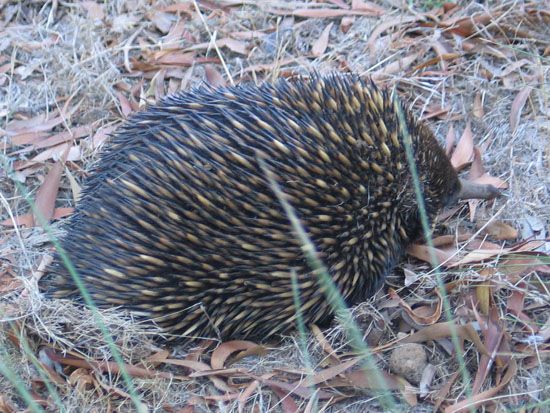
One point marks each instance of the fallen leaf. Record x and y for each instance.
(438, 59)
(6, 405)
(483, 295)
(477, 244)
(219, 372)
(521, 264)
(468, 26)
(320, 45)
(410, 277)
(301, 391)
(174, 58)
(425, 315)
(27, 138)
(477, 256)
(485, 396)
(224, 4)
(451, 240)
(375, 380)
(386, 25)
(158, 357)
(435, 112)
(47, 193)
(323, 13)
(66, 136)
(396, 66)
(442, 393)
(445, 330)
(8, 283)
(81, 379)
(224, 350)
(187, 8)
(323, 342)
(237, 46)
(125, 106)
(464, 151)
(517, 107)
(110, 367)
(175, 33)
(156, 88)
(328, 373)
(114, 390)
(528, 245)
(426, 380)
(41, 123)
(515, 305)
(200, 367)
(476, 169)
(366, 6)
(424, 253)
(213, 77)
(103, 134)
(247, 393)
(287, 403)
(223, 397)
(513, 67)
(500, 231)
(27, 220)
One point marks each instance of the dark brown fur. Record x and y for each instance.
(178, 222)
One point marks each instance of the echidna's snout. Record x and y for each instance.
(471, 190)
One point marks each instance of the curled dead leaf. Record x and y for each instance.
(320, 45)
(226, 349)
(423, 315)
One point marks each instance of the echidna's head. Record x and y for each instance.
(438, 180)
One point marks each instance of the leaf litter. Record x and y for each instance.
(470, 68)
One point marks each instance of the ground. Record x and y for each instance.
(477, 72)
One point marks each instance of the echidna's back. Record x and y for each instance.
(178, 222)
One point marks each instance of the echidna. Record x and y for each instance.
(179, 223)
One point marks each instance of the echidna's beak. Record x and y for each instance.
(470, 190)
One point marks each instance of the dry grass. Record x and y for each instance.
(90, 65)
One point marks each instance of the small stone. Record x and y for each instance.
(409, 361)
